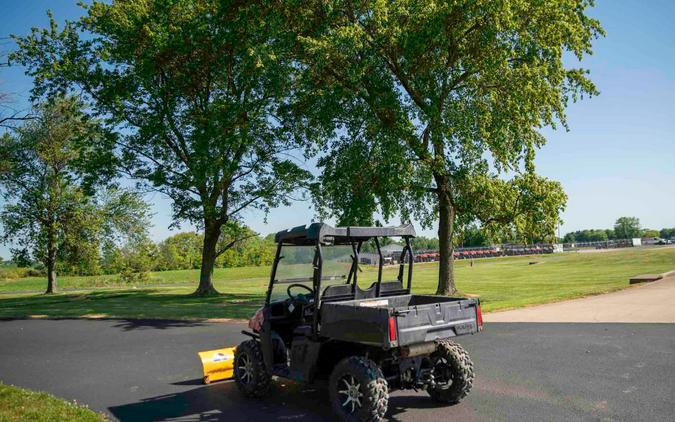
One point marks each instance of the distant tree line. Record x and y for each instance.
(624, 228)
(667, 233)
(139, 255)
(182, 251)
(476, 236)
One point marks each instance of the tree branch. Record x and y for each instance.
(6, 121)
(234, 242)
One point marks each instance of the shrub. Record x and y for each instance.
(36, 272)
(129, 276)
(12, 273)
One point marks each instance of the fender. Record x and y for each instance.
(266, 341)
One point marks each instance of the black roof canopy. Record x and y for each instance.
(308, 235)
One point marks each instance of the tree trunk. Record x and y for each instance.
(446, 222)
(211, 235)
(51, 263)
(51, 279)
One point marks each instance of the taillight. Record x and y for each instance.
(479, 317)
(392, 328)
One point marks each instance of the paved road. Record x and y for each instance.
(148, 370)
(649, 302)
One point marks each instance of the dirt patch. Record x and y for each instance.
(501, 388)
(95, 316)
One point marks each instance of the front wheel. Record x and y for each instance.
(358, 390)
(453, 373)
(249, 370)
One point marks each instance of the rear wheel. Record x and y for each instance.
(358, 390)
(249, 370)
(453, 373)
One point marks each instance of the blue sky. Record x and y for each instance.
(617, 159)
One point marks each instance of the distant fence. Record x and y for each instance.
(488, 252)
(603, 244)
(392, 257)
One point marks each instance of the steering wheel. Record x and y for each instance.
(296, 298)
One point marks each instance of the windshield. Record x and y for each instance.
(297, 267)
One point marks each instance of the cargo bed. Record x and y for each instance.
(399, 320)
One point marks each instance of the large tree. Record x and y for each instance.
(52, 207)
(437, 108)
(197, 90)
(627, 228)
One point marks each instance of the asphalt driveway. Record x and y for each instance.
(149, 370)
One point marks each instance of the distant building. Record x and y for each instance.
(392, 249)
(390, 255)
(369, 258)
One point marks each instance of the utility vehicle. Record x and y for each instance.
(326, 318)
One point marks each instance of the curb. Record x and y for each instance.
(648, 278)
(111, 318)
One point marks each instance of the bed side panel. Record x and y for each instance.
(360, 324)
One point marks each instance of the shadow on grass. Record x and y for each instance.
(132, 304)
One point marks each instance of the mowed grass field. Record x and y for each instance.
(501, 283)
(18, 405)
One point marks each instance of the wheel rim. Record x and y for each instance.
(244, 369)
(350, 395)
(442, 372)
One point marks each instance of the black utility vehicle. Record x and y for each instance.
(325, 318)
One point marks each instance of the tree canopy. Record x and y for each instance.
(627, 228)
(436, 109)
(429, 110)
(196, 91)
(667, 233)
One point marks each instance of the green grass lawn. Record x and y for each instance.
(501, 283)
(18, 405)
(112, 281)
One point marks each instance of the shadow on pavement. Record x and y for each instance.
(223, 402)
(196, 381)
(123, 324)
(159, 324)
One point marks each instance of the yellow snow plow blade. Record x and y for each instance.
(218, 364)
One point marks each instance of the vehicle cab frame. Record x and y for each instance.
(321, 235)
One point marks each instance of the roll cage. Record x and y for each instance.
(321, 235)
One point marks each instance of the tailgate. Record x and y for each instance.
(422, 323)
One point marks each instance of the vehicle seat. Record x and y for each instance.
(388, 286)
(337, 292)
(302, 330)
(391, 288)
